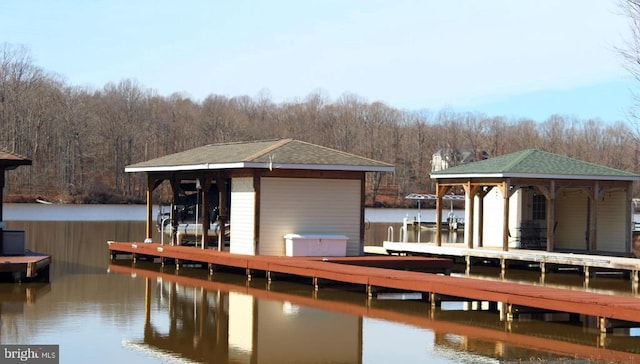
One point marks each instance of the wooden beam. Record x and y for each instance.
(505, 214)
(551, 215)
(482, 192)
(149, 197)
(175, 189)
(206, 218)
(221, 181)
(440, 192)
(470, 191)
(629, 218)
(596, 196)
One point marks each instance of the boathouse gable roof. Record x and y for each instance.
(267, 154)
(533, 163)
(11, 160)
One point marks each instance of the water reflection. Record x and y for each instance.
(228, 321)
(233, 320)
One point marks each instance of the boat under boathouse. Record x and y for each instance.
(539, 200)
(272, 197)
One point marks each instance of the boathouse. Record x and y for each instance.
(539, 200)
(15, 239)
(266, 190)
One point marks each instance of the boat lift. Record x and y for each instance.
(423, 196)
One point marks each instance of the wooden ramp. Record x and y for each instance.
(601, 306)
(588, 348)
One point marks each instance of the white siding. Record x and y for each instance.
(493, 215)
(612, 224)
(308, 206)
(242, 221)
(571, 217)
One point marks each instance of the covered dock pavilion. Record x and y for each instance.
(580, 206)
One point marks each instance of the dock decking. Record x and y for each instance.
(511, 295)
(542, 258)
(26, 267)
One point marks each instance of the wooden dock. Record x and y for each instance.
(30, 266)
(608, 309)
(589, 346)
(544, 259)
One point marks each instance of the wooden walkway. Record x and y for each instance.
(543, 258)
(438, 287)
(26, 267)
(589, 348)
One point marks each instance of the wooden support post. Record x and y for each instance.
(467, 270)
(149, 197)
(470, 208)
(369, 291)
(440, 192)
(505, 215)
(502, 267)
(177, 264)
(269, 276)
(315, 283)
(210, 266)
(602, 322)
(248, 274)
(433, 298)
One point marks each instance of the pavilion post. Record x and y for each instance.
(551, 216)
(505, 215)
(149, 198)
(438, 215)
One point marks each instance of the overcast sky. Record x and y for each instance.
(528, 58)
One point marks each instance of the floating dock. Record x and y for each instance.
(609, 310)
(28, 267)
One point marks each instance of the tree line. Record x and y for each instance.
(80, 139)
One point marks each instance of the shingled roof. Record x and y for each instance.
(268, 154)
(11, 160)
(533, 163)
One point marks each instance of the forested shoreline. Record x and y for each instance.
(80, 139)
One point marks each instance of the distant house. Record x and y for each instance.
(268, 189)
(536, 199)
(451, 157)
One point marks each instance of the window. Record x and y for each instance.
(539, 207)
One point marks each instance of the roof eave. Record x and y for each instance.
(322, 167)
(535, 176)
(182, 167)
(246, 165)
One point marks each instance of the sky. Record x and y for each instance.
(520, 59)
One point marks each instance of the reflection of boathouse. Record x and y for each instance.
(536, 199)
(266, 190)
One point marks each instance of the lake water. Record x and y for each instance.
(115, 312)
